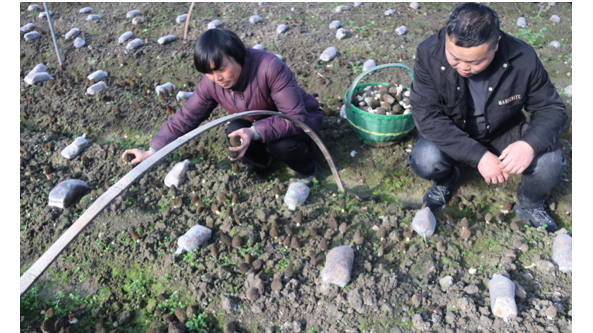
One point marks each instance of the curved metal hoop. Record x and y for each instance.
(37, 269)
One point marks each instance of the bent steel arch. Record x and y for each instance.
(37, 269)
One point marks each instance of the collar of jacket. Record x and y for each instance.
(243, 80)
(505, 53)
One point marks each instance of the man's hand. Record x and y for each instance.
(516, 157)
(140, 155)
(246, 135)
(489, 167)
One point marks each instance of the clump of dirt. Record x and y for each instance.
(261, 268)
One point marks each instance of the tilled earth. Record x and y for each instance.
(120, 274)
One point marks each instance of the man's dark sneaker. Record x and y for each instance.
(537, 217)
(436, 196)
(307, 180)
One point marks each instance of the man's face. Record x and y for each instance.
(228, 73)
(469, 61)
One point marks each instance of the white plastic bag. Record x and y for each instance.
(254, 19)
(44, 14)
(74, 32)
(79, 42)
(181, 18)
(296, 195)
(213, 24)
(401, 30)
(555, 18)
(342, 33)
(258, 47)
(37, 77)
(415, 5)
(33, 7)
(338, 266)
(555, 44)
(93, 17)
(193, 238)
(27, 27)
(38, 69)
(281, 28)
(177, 175)
(389, 12)
(66, 192)
(521, 22)
(96, 88)
(125, 36)
(31, 35)
(164, 88)
(183, 95)
(136, 43)
(328, 54)
(568, 90)
(341, 9)
(132, 13)
(137, 20)
(334, 25)
(424, 222)
(85, 10)
(562, 252)
(97, 76)
(502, 297)
(75, 148)
(370, 63)
(167, 39)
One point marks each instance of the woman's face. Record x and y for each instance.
(228, 73)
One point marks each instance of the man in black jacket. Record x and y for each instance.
(471, 82)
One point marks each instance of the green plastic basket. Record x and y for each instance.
(376, 129)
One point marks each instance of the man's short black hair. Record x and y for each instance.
(213, 45)
(473, 24)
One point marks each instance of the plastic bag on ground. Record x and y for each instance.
(167, 39)
(334, 25)
(181, 18)
(136, 43)
(27, 27)
(125, 36)
(66, 192)
(389, 12)
(137, 20)
(37, 77)
(177, 175)
(74, 32)
(370, 63)
(281, 28)
(562, 252)
(44, 14)
(75, 148)
(93, 17)
(85, 10)
(328, 54)
(97, 76)
(96, 88)
(79, 42)
(31, 35)
(555, 44)
(342, 33)
(401, 30)
(338, 266)
(296, 195)
(33, 7)
(502, 297)
(213, 24)
(424, 222)
(164, 88)
(254, 19)
(39, 68)
(521, 22)
(132, 13)
(183, 95)
(193, 238)
(258, 47)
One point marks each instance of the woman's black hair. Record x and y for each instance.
(473, 24)
(213, 45)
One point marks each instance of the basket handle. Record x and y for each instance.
(376, 68)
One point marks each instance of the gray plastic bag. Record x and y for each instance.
(167, 39)
(281, 28)
(328, 54)
(193, 238)
(258, 47)
(183, 95)
(213, 24)
(338, 266)
(125, 36)
(177, 175)
(33, 7)
(79, 42)
(136, 43)
(27, 27)
(85, 10)
(181, 18)
(296, 195)
(75, 148)
(97, 76)
(132, 13)
(66, 192)
(342, 33)
(562, 252)
(502, 297)
(96, 88)
(424, 222)
(37, 77)
(401, 30)
(334, 25)
(74, 32)
(254, 19)
(164, 88)
(93, 17)
(31, 35)
(370, 63)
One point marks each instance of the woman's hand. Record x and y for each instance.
(139, 155)
(246, 135)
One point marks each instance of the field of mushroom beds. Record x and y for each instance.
(261, 269)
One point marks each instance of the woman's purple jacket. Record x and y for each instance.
(265, 83)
